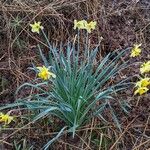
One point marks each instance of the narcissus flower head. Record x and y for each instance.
(6, 118)
(83, 24)
(143, 82)
(90, 26)
(79, 24)
(145, 67)
(44, 73)
(136, 50)
(36, 27)
(141, 90)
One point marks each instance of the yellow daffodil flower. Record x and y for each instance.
(44, 73)
(90, 26)
(79, 24)
(143, 82)
(6, 118)
(36, 27)
(83, 24)
(141, 90)
(145, 67)
(136, 50)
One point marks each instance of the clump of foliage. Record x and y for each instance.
(76, 85)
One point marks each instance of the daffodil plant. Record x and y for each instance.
(142, 86)
(77, 88)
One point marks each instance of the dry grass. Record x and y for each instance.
(120, 22)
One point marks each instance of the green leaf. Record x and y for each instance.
(45, 113)
(46, 146)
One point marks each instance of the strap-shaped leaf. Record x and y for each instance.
(46, 146)
(45, 113)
